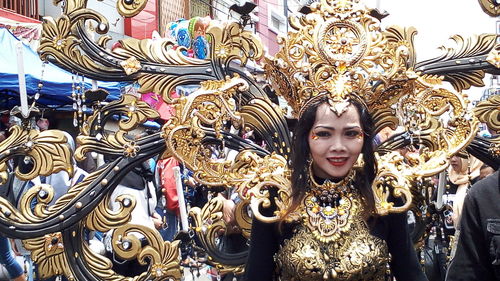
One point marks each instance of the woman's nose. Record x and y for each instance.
(337, 144)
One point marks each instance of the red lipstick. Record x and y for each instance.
(337, 161)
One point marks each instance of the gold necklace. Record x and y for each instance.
(330, 208)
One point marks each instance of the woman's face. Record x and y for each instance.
(335, 142)
(456, 163)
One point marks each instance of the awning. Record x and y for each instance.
(57, 83)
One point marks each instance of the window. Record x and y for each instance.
(28, 8)
(276, 20)
(200, 8)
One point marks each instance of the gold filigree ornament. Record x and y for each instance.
(488, 112)
(494, 58)
(209, 224)
(329, 208)
(334, 52)
(136, 111)
(4, 174)
(130, 149)
(337, 51)
(249, 174)
(162, 255)
(48, 253)
(304, 258)
(131, 65)
(128, 8)
(49, 151)
(490, 7)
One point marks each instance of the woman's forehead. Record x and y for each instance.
(326, 117)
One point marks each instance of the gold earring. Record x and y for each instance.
(360, 163)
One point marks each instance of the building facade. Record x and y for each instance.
(269, 19)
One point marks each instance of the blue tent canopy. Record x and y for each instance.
(57, 83)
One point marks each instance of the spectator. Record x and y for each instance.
(478, 250)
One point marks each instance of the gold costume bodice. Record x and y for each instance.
(357, 255)
(332, 242)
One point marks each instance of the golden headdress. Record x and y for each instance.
(340, 50)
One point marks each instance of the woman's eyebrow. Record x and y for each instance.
(332, 128)
(352, 127)
(324, 127)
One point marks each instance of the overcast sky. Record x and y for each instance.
(436, 21)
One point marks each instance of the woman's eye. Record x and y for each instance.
(353, 134)
(322, 134)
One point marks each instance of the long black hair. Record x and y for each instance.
(301, 156)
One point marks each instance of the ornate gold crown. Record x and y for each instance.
(339, 50)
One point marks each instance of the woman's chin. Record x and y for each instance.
(338, 174)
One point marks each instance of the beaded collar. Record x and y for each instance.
(329, 208)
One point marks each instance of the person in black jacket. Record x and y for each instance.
(478, 251)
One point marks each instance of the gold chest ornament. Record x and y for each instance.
(328, 209)
(333, 242)
(356, 255)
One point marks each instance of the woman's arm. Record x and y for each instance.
(404, 262)
(264, 243)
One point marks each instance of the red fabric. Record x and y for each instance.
(156, 102)
(167, 182)
(165, 110)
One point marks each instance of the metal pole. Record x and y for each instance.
(22, 81)
(180, 197)
(441, 184)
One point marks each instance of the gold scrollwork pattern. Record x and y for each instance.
(494, 57)
(130, 8)
(304, 258)
(102, 218)
(4, 175)
(210, 226)
(118, 143)
(488, 112)
(340, 50)
(467, 50)
(490, 7)
(48, 253)
(101, 266)
(394, 174)
(211, 105)
(250, 175)
(49, 151)
(163, 256)
(61, 41)
(44, 195)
